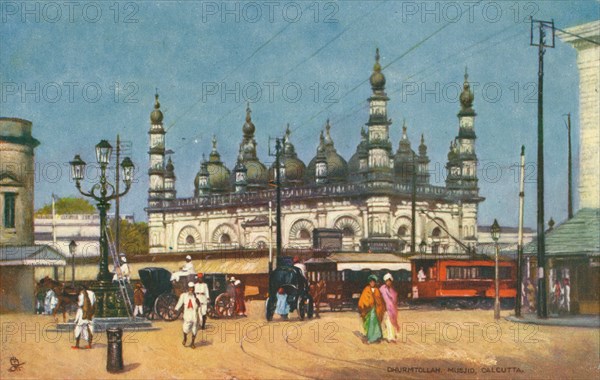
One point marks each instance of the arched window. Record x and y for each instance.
(347, 232)
(190, 240)
(225, 239)
(304, 234)
(402, 231)
(436, 233)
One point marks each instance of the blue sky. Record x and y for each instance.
(88, 71)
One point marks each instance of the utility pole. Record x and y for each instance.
(117, 213)
(570, 170)
(542, 307)
(278, 184)
(520, 235)
(413, 210)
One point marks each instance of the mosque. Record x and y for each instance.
(367, 197)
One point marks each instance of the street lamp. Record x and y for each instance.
(72, 247)
(423, 247)
(495, 230)
(109, 304)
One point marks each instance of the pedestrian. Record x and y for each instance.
(390, 318)
(421, 276)
(240, 303)
(372, 307)
(557, 292)
(50, 301)
(86, 302)
(567, 290)
(186, 269)
(138, 300)
(201, 291)
(190, 305)
(283, 307)
(531, 295)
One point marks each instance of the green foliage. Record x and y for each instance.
(134, 237)
(67, 206)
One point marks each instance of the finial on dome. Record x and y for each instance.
(287, 132)
(156, 116)
(466, 98)
(214, 143)
(422, 139)
(466, 73)
(377, 79)
(248, 112)
(404, 128)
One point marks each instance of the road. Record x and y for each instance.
(432, 344)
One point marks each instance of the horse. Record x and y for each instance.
(317, 289)
(67, 296)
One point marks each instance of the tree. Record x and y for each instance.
(69, 205)
(134, 237)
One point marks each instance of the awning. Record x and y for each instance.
(238, 265)
(31, 255)
(371, 261)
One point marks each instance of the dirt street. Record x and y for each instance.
(431, 344)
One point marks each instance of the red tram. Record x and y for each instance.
(462, 282)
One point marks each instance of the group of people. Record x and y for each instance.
(46, 301)
(561, 297)
(378, 309)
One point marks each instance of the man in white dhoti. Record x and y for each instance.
(190, 305)
(201, 291)
(83, 319)
(186, 269)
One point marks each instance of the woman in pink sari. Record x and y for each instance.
(390, 319)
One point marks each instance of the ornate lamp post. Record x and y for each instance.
(109, 304)
(72, 247)
(495, 230)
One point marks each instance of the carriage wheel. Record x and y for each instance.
(310, 306)
(164, 306)
(224, 306)
(210, 311)
(301, 307)
(269, 309)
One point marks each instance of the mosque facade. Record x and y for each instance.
(367, 197)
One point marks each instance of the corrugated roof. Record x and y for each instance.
(32, 255)
(367, 258)
(577, 236)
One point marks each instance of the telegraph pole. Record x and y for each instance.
(413, 210)
(542, 307)
(570, 170)
(520, 235)
(117, 209)
(278, 185)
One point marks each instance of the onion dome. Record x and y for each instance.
(377, 79)
(466, 98)
(170, 169)
(294, 167)
(219, 175)
(257, 174)
(156, 116)
(337, 167)
(248, 127)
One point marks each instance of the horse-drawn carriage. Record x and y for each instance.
(295, 287)
(162, 295)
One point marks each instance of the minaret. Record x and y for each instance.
(240, 172)
(379, 146)
(403, 161)
(423, 164)
(202, 187)
(466, 138)
(321, 171)
(157, 155)
(170, 191)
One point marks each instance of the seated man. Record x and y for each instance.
(298, 264)
(186, 269)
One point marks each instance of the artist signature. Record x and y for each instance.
(15, 364)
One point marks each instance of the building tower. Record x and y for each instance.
(170, 192)
(404, 161)
(379, 146)
(157, 155)
(423, 164)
